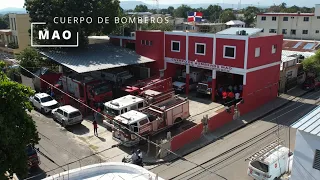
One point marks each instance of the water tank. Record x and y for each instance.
(243, 32)
(237, 32)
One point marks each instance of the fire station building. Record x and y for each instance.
(250, 58)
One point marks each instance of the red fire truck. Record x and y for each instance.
(149, 121)
(153, 83)
(90, 91)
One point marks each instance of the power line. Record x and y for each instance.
(146, 139)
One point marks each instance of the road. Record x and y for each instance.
(225, 158)
(58, 147)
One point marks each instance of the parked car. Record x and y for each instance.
(311, 83)
(44, 102)
(33, 158)
(67, 115)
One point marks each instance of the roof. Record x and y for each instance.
(233, 31)
(234, 22)
(286, 14)
(300, 45)
(274, 154)
(139, 13)
(131, 117)
(5, 30)
(95, 57)
(107, 171)
(290, 53)
(42, 95)
(309, 123)
(285, 58)
(68, 108)
(202, 24)
(123, 102)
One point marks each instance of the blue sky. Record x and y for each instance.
(310, 3)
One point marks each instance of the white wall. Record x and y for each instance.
(303, 157)
(296, 23)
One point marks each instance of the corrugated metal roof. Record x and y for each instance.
(233, 31)
(290, 53)
(310, 123)
(96, 57)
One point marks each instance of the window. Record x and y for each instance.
(65, 114)
(305, 18)
(304, 31)
(318, 17)
(36, 99)
(135, 127)
(74, 114)
(292, 17)
(229, 52)
(140, 105)
(293, 32)
(262, 30)
(15, 24)
(274, 18)
(285, 18)
(263, 18)
(143, 42)
(257, 52)
(150, 43)
(274, 49)
(175, 46)
(316, 160)
(143, 122)
(289, 75)
(272, 31)
(317, 31)
(60, 111)
(284, 31)
(200, 48)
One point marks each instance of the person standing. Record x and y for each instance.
(95, 128)
(237, 96)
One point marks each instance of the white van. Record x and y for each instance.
(271, 165)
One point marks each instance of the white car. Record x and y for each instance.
(44, 102)
(67, 115)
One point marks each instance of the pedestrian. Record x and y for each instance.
(224, 97)
(230, 88)
(237, 96)
(230, 98)
(95, 128)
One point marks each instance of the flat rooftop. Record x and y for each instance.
(123, 101)
(233, 31)
(95, 57)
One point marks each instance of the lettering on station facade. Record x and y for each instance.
(199, 64)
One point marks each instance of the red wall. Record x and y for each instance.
(240, 49)
(51, 78)
(169, 53)
(260, 89)
(266, 56)
(186, 137)
(207, 58)
(220, 120)
(155, 51)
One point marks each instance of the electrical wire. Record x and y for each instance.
(138, 135)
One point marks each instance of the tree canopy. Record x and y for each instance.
(250, 14)
(17, 129)
(226, 16)
(141, 8)
(46, 11)
(312, 64)
(4, 22)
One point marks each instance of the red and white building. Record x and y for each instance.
(251, 56)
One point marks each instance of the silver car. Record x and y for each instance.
(67, 115)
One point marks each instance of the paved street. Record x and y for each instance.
(225, 158)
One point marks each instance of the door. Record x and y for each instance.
(37, 103)
(169, 117)
(59, 115)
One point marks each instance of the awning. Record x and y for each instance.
(95, 57)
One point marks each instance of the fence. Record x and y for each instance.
(186, 137)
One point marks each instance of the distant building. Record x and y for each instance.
(200, 27)
(306, 159)
(291, 25)
(235, 23)
(17, 38)
(288, 72)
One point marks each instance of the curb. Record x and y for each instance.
(227, 133)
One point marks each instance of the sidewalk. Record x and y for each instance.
(233, 126)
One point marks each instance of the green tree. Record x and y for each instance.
(46, 11)
(3, 23)
(170, 10)
(182, 11)
(312, 64)
(213, 12)
(141, 8)
(250, 14)
(17, 129)
(226, 16)
(158, 26)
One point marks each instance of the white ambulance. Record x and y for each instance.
(270, 165)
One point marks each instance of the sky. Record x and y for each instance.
(311, 3)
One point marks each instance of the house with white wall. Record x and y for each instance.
(306, 159)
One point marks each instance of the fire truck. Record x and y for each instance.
(149, 121)
(153, 83)
(194, 77)
(205, 86)
(129, 102)
(90, 91)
